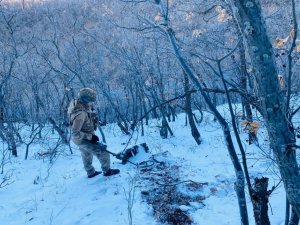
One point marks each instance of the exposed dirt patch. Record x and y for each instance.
(161, 180)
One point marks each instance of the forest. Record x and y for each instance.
(184, 77)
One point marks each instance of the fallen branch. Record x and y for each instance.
(5, 180)
(181, 182)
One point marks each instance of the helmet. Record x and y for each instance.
(87, 95)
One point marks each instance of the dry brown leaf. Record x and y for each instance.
(223, 16)
(245, 122)
(251, 127)
(158, 17)
(279, 43)
(281, 81)
(292, 32)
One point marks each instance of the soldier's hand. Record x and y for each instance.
(95, 138)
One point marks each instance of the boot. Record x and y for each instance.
(111, 172)
(94, 174)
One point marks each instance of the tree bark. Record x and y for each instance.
(294, 218)
(287, 211)
(260, 199)
(188, 108)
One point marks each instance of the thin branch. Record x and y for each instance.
(274, 188)
(290, 58)
(166, 102)
(295, 111)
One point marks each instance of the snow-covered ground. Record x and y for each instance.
(59, 193)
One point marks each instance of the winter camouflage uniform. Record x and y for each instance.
(83, 121)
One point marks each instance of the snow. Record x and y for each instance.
(60, 193)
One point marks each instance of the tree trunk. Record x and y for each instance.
(1, 114)
(287, 211)
(244, 75)
(143, 103)
(173, 112)
(282, 140)
(188, 108)
(61, 133)
(168, 113)
(294, 218)
(8, 132)
(124, 128)
(215, 104)
(164, 129)
(260, 199)
(1, 105)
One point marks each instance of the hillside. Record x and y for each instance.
(57, 191)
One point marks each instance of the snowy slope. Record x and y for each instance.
(60, 193)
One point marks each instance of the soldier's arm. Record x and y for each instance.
(77, 125)
(95, 120)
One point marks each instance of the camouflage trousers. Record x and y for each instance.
(88, 150)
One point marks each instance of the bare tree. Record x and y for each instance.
(282, 139)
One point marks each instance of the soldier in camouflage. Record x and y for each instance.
(84, 124)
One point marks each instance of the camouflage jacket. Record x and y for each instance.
(83, 121)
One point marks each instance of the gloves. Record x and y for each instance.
(95, 138)
(103, 146)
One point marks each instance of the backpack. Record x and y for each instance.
(70, 111)
(73, 110)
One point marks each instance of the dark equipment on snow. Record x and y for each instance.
(111, 172)
(129, 152)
